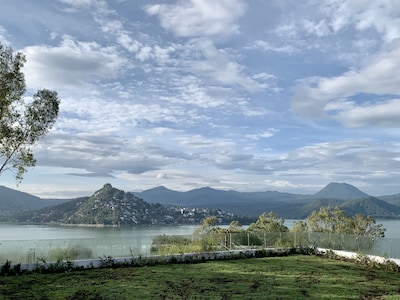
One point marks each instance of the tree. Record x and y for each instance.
(334, 220)
(366, 226)
(300, 226)
(207, 225)
(235, 227)
(329, 220)
(21, 125)
(270, 222)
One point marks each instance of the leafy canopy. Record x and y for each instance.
(270, 222)
(21, 125)
(335, 220)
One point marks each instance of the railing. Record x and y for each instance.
(249, 240)
(31, 251)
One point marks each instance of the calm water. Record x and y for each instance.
(41, 232)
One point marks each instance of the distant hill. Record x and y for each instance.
(14, 201)
(341, 191)
(243, 203)
(287, 205)
(247, 204)
(370, 206)
(393, 199)
(111, 206)
(303, 209)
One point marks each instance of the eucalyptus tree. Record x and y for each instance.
(21, 124)
(334, 220)
(269, 222)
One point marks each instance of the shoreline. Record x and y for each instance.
(88, 225)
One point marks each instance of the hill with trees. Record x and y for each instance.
(12, 201)
(113, 207)
(342, 191)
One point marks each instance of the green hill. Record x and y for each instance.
(371, 206)
(342, 191)
(12, 201)
(114, 207)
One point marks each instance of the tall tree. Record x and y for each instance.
(329, 220)
(207, 225)
(366, 226)
(21, 125)
(270, 222)
(335, 220)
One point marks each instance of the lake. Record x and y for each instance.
(43, 232)
(17, 232)
(26, 243)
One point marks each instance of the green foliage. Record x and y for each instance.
(270, 222)
(21, 125)
(299, 226)
(366, 226)
(335, 221)
(71, 253)
(164, 244)
(235, 227)
(207, 225)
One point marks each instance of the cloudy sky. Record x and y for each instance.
(244, 95)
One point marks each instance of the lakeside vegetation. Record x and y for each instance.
(289, 277)
(269, 230)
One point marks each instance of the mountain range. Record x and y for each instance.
(287, 205)
(110, 206)
(248, 204)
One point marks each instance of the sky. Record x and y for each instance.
(280, 95)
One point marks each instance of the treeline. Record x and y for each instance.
(269, 229)
(326, 220)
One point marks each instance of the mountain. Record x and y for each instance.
(161, 201)
(286, 205)
(342, 191)
(302, 210)
(114, 207)
(393, 199)
(370, 206)
(14, 201)
(243, 203)
(161, 195)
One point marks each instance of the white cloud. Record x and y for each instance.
(3, 38)
(219, 66)
(262, 135)
(320, 28)
(196, 18)
(266, 46)
(78, 3)
(384, 114)
(331, 17)
(71, 65)
(377, 77)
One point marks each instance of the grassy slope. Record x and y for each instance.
(292, 277)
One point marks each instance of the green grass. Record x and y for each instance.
(291, 277)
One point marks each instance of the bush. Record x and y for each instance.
(71, 253)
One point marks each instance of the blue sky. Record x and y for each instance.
(244, 95)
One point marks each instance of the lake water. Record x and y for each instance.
(43, 232)
(18, 232)
(25, 243)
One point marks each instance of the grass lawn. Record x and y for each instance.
(291, 277)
